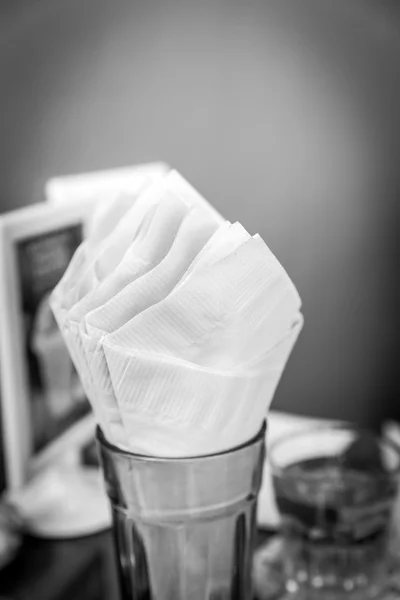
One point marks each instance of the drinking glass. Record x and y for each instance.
(336, 488)
(184, 527)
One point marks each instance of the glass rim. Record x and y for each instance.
(104, 442)
(278, 471)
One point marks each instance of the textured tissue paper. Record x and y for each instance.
(179, 322)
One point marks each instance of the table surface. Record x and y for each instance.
(83, 569)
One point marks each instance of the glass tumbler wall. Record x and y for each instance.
(184, 528)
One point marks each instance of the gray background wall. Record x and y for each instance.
(283, 113)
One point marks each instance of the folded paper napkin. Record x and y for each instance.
(179, 323)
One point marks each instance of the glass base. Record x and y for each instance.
(270, 584)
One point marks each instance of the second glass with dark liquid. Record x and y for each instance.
(335, 490)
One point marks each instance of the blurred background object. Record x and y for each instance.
(11, 526)
(284, 114)
(46, 418)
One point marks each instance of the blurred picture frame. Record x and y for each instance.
(57, 227)
(36, 244)
(131, 179)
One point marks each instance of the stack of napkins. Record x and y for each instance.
(178, 322)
